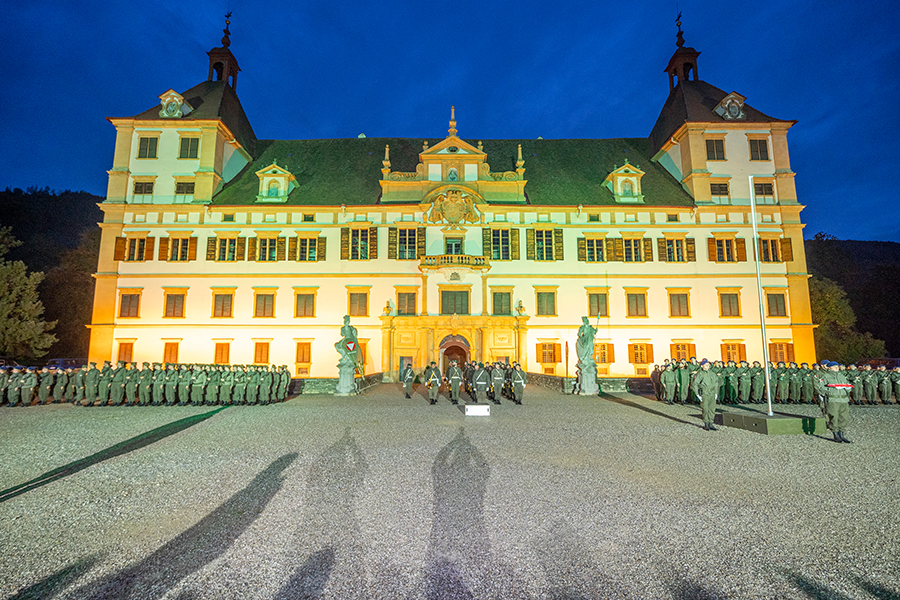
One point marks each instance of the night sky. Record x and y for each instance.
(513, 69)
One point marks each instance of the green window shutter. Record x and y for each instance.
(558, 244)
(320, 248)
(741, 249)
(486, 242)
(661, 250)
(620, 249)
(251, 249)
(610, 249)
(392, 243)
(210, 248)
(529, 244)
(119, 252)
(345, 243)
(163, 253)
(192, 248)
(279, 248)
(148, 248)
(292, 248)
(582, 249)
(648, 249)
(420, 242)
(514, 244)
(787, 250)
(241, 248)
(373, 243)
(711, 249)
(690, 249)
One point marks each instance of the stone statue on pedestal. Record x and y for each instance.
(586, 367)
(348, 348)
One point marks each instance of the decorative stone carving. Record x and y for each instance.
(455, 207)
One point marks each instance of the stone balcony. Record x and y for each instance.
(454, 266)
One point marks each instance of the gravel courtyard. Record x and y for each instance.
(377, 496)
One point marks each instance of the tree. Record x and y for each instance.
(23, 332)
(836, 336)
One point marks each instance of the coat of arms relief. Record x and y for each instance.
(455, 207)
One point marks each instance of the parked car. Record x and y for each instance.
(6, 361)
(65, 363)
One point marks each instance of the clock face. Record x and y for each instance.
(171, 108)
(734, 111)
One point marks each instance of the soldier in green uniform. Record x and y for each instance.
(226, 385)
(78, 389)
(884, 384)
(669, 383)
(432, 378)
(265, 386)
(807, 389)
(870, 384)
(835, 388)
(407, 378)
(170, 384)
(103, 384)
(683, 377)
(480, 382)
(4, 382)
(498, 378)
(782, 383)
(132, 383)
(158, 387)
(455, 379)
(852, 374)
(91, 385)
(240, 384)
(743, 377)
(731, 382)
(706, 387)
(117, 384)
(60, 385)
(757, 382)
(145, 384)
(14, 386)
(184, 384)
(519, 380)
(795, 384)
(45, 386)
(29, 386)
(253, 385)
(198, 382)
(895, 382)
(211, 394)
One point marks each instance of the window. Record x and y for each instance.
(170, 353)
(190, 146)
(683, 351)
(640, 353)
(306, 249)
(500, 244)
(672, 218)
(759, 150)
(136, 249)
(594, 250)
(179, 249)
(633, 250)
(274, 189)
(126, 351)
(129, 305)
(222, 305)
(227, 250)
(359, 304)
(143, 188)
(502, 303)
(593, 218)
(406, 303)
(406, 243)
(725, 251)
(764, 192)
(734, 351)
(543, 244)
(719, 191)
(304, 354)
(223, 352)
(359, 244)
(267, 249)
(546, 304)
(715, 149)
(597, 305)
(308, 218)
(603, 353)
(305, 305)
(184, 188)
(729, 304)
(228, 218)
(781, 352)
(147, 147)
(637, 305)
(261, 353)
(675, 250)
(264, 305)
(549, 353)
(678, 305)
(454, 302)
(776, 304)
(768, 250)
(174, 305)
(453, 245)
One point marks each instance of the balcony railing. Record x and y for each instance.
(454, 260)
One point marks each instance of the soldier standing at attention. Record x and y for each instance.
(743, 376)
(62, 382)
(226, 385)
(895, 381)
(480, 382)
(455, 379)
(240, 384)
(782, 383)
(104, 383)
(407, 379)
(498, 378)
(184, 384)
(432, 378)
(731, 381)
(45, 386)
(132, 382)
(253, 385)
(520, 379)
(212, 385)
(14, 385)
(77, 386)
(884, 384)
(655, 377)
(198, 382)
(835, 388)
(4, 383)
(807, 390)
(683, 377)
(669, 383)
(117, 384)
(795, 384)
(852, 375)
(265, 386)
(91, 385)
(159, 384)
(28, 385)
(145, 384)
(870, 384)
(706, 387)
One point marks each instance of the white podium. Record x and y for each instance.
(478, 410)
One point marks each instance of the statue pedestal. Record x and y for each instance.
(587, 379)
(346, 385)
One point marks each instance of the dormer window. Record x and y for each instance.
(627, 188)
(274, 189)
(275, 184)
(625, 183)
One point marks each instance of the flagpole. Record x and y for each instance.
(759, 289)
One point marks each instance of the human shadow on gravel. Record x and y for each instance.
(198, 546)
(625, 402)
(129, 445)
(682, 589)
(329, 523)
(815, 590)
(51, 585)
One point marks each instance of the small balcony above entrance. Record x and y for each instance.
(454, 267)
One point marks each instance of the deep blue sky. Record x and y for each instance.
(325, 69)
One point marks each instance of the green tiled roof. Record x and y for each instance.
(558, 172)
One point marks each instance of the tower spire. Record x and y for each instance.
(452, 130)
(222, 63)
(683, 64)
(679, 37)
(226, 39)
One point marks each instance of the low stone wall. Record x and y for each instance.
(327, 385)
(566, 385)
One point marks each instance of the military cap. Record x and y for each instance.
(2, 367)
(804, 364)
(704, 362)
(32, 368)
(105, 362)
(156, 364)
(121, 363)
(145, 363)
(93, 364)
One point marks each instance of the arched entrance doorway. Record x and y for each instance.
(453, 347)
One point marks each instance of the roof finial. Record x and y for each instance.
(387, 156)
(680, 36)
(452, 130)
(226, 40)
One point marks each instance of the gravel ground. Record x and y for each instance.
(377, 496)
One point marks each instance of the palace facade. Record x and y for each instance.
(218, 247)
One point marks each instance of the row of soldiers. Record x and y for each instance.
(125, 384)
(480, 381)
(791, 383)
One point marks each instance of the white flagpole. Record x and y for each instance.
(762, 310)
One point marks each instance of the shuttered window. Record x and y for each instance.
(359, 244)
(305, 305)
(406, 244)
(129, 305)
(264, 305)
(546, 304)
(502, 304)
(304, 353)
(640, 354)
(735, 352)
(261, 353)
(594, 250)
(189, 147)
(223, 353)
(170, 353)
(543, 244)
(147, 147)
(500, 245)
(597, 305)
(603, 353)
(769, 250)
(267, 249)
(174, 305)
(678, 305)
(637, 305)
(359, 304)
(454, 302)
(634, 251)
(715, 149)
(406, 303)
(227, 250)
(776, 304)
(222, 305)
(729, 304)
(759, 150)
